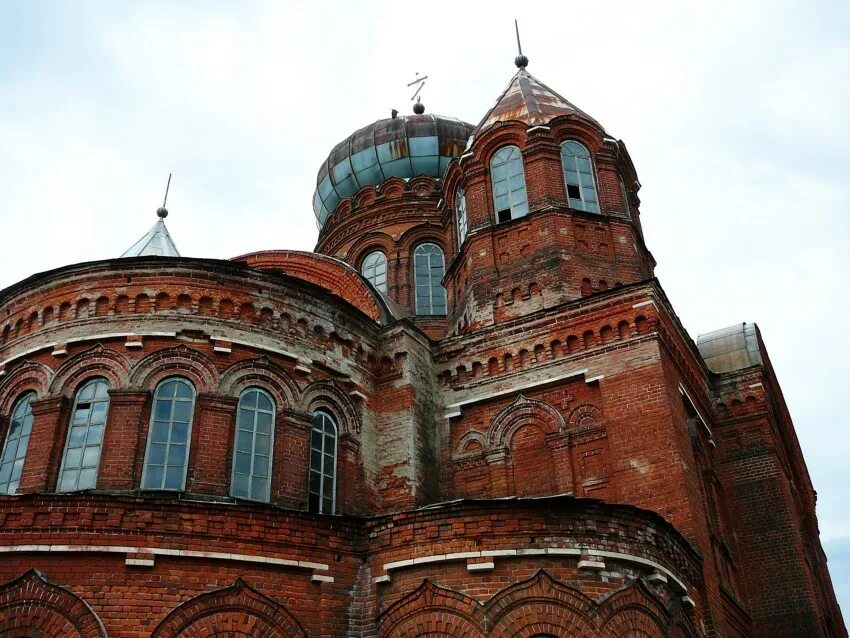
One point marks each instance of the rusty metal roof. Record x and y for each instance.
(528, 100)
(403, 146)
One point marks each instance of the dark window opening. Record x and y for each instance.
(573, 191)
(504, 215)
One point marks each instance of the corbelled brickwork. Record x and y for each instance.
(283, 449)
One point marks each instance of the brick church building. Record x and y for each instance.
(471, 412)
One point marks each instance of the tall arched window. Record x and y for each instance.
(429, 267)
(15, 447)
(578, 176)
(462, 223)
(374, 268)
(252, 451)
(170, 431)
(323, 464)
(85, 437)
(509, 195)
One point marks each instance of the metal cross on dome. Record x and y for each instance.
(418, 107)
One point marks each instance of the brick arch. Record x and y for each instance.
(573, 126)
(334, 275)
(238, 610)
(632, 611)
(96, 361)
(179, 361)
(32, 606)
(28, 376)
(328, 394)
(264, 373)
(510, 133)
(585, 414)
(522, 412)
(541, 605)
(424, 233)
(372, 241)
(431, 611)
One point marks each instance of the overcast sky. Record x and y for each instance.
(736, 114)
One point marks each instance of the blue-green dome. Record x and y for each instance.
(403, 146)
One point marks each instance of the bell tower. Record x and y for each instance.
(545, 209)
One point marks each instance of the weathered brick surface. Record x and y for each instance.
(552, 458)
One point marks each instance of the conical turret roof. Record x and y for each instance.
(528, 100)
(156, 242)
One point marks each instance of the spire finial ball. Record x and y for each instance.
(162, 212)
(521, 61)
(419, 108)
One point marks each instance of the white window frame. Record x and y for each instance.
(505, 156)
(168, 442)
(253, 453)
(88, 425)
(25, 399)
(431, 283)
(328, 415)
(462, 216)
(581, 203)
(372, 266)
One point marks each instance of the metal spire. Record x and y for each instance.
(418, 107)
(521, 61)
(162, 211)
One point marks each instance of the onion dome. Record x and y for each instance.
(401, 146)
(528, 100)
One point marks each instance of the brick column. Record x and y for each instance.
(126, 429)
(559, 449)
(212, 444)
(291, 461)
(349, 484)
(45, 445)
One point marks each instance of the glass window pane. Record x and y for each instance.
(240, 485)
(153, 477)
(73, 457)
(261, 465)
(68, 481)
(156, 455)
(176, 454)
(95, 434)
(244, 440)
(77, 436)
(243, 463)
(180, 433)
(98, 412)
(182, 411)
(174, 478)
(259, 490)
(91, 456)
(88, 478)
(169, 435)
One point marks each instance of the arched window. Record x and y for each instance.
(578, 176)
(252, 451)
(429, 266)
(170, 431)
(323, 464)
(462, 224)
(85, 437)
(509, 194)
(15, 447)
(374, 268)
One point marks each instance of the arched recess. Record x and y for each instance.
(32, 606)
(519, 413)
(28, 376)
(541, 605)
(433, 611)
(264, 373)
(96, 361)
(179, 361)
(238, 610)
(633, 611)
(328, 395)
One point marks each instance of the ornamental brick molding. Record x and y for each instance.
(235, 611)
(538, 605)
(32, 606)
